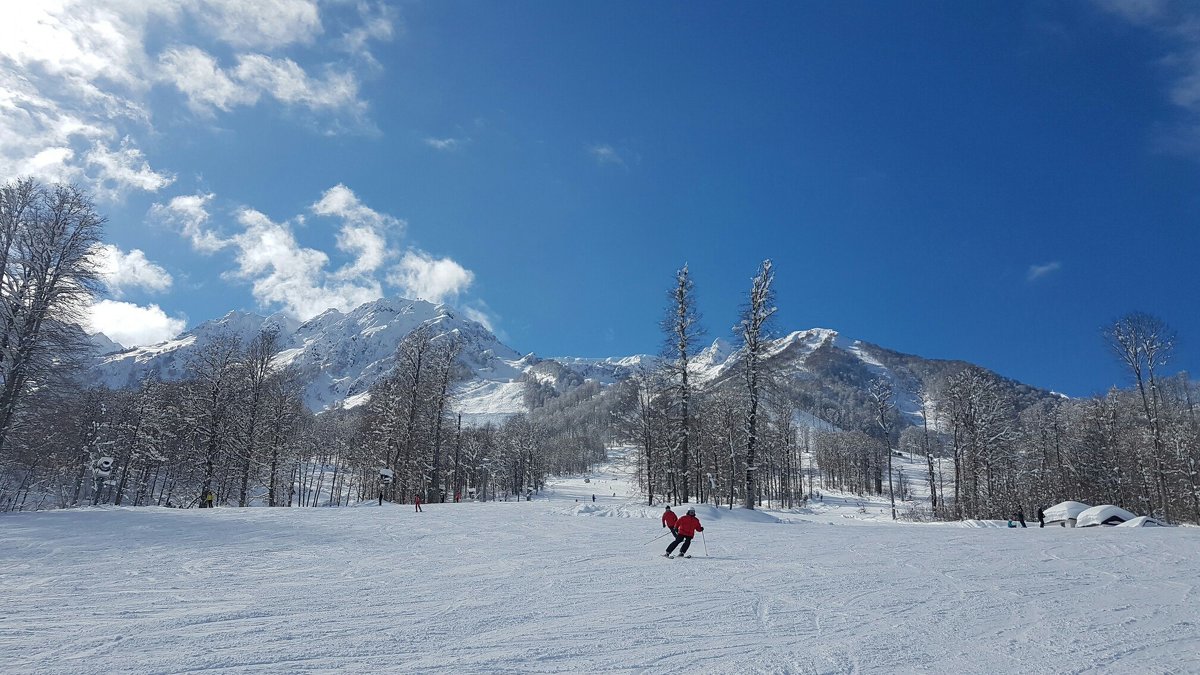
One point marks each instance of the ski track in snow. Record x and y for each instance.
(540, 586)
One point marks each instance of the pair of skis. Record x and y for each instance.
(672, 557)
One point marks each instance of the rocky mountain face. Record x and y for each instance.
(340, 355)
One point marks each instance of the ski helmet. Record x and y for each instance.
(668, 507)
(691, 512)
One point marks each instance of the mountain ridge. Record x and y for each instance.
(339, 355)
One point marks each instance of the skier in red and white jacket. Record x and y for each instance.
(668, 520)
(685, 528)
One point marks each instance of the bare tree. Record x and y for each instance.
(257, 365)
(682, 328)
(881, 394)
(215, 372)
(48, 272)
(753, 331)
(445, 355)
(1144, 343)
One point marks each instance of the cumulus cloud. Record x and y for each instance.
(282, 272)
(198, 76)
(259, 25)
(118, 171)
(363, 233)
(340, 201)
(123, 271)
(133, 325)
(75, 77)
(1039, 271)
(305, 281)
(189, 215)
(421, 276)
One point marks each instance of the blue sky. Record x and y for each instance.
(986, 181)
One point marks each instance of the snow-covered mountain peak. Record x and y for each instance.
(341, 354)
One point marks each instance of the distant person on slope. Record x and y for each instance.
(685, 528)
(417, 502)
(1041, 517)
(1021, 517)
(668, 520)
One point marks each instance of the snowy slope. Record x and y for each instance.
(340, 355)
(559, 585)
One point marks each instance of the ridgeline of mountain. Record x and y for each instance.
(340, 355)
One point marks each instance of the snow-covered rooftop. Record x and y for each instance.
(1065, 511)
(1097, 515)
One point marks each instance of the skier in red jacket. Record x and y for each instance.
(685, 528)
(668, 520)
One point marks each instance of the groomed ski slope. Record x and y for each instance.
(556, 585)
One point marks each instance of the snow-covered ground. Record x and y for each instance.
(558, 585)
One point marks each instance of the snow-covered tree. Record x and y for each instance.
(754, 334)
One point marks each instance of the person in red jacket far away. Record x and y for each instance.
(668, 520)
(417, 502)
(685, 528)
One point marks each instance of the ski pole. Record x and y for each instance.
(705, 542)
(658, 537)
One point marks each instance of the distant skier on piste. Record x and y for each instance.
(685, 528)
(668, 520)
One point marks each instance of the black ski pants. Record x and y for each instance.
(687, 541)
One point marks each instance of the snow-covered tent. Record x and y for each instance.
(1142, 521)
(1064, 514)
(1105, 514)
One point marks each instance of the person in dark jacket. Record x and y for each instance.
(1021, 517)
(1041, 517)
(685, 528)
(668, 520)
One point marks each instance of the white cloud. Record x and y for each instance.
(341, 202)
(75, 76)
(376, 23)
(123, 271)
(305, 281)
(481, 314)
(1038, 271)
(369, 248)
(364, 231)
(189, 214)
(421, 276)
(260, 24)
(285, 80)
(198, 77)
(36, 135)
(284, 273)
(133, 325)
(606, 154)
(1177, 24)
(118, 171)
(445, 144)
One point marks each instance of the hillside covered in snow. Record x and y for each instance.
(563, 583)
(340, 355)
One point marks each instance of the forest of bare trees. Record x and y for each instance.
(972, 444)
(978, 445)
